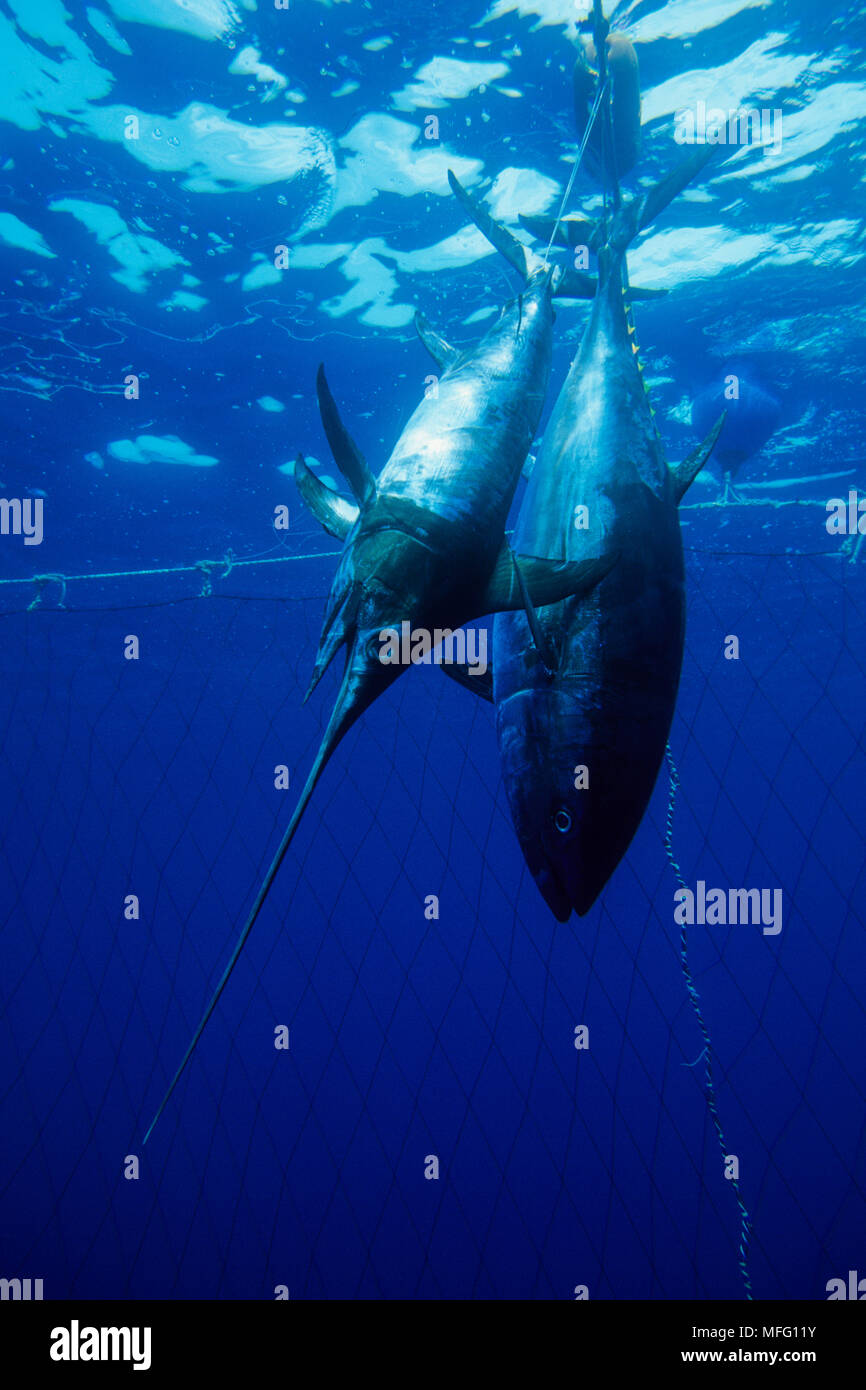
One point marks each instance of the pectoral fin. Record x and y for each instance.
(481, 684)
(576, 284)
(443, 354)
(545, 581)
(684, 474)
(334, 512)
(542, 646)
(347, 455)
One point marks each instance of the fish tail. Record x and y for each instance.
(508, 246)
(641, 211)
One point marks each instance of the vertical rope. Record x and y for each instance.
(707, 1054)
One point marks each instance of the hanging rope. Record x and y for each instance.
(596, 106)
(707, 1053)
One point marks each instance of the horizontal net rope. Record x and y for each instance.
(223, 566)
(411, 1037)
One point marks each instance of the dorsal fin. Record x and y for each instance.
(347, 455)
(334, 512)
(343, 716)
(513, 250)
(684, 474)
(443, 354)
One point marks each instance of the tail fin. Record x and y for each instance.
(344, 714)
(645, 208)
(574, 231)
(513, 250)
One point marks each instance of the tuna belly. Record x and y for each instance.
(579, 763)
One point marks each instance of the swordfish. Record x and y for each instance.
(424, 542)
(585, 689)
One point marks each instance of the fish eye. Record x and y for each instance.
(562, 820)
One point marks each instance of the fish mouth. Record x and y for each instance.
(559, 888)
(565, 888)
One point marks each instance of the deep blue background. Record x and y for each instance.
(409, 1037)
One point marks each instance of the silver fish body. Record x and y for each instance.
(452, 474)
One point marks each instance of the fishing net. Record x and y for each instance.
(415, 1037)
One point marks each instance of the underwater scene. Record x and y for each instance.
(433, 616)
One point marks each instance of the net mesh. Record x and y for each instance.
(410, 1036)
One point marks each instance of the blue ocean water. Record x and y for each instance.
(201, 202)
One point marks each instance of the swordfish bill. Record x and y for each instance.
(424, 542)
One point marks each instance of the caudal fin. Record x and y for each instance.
(576, 284)
(513, 250)
(645, 208)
